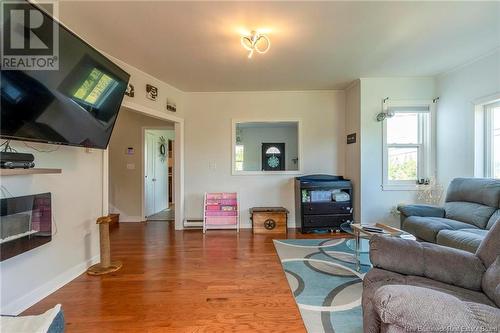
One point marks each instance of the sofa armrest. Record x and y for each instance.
(417, 309)
(421, 210)
(440, 263)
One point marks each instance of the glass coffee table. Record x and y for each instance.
(360, 244)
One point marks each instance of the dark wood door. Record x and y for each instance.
(273, 156)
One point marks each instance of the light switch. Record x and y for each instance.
(212, 165)
(130, 166)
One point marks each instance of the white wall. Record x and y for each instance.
(352, 152)
(208, 144)
(455, 124)
(253, 137)
(76, 204)
(139, 79)
(375, 203)
(125, 185)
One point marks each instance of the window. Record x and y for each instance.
(239, 157)
(407, 146)
(492, 140)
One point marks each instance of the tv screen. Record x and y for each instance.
(77, 104)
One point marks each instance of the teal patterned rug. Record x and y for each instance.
(325, 283)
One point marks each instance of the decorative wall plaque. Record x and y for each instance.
(151, 92)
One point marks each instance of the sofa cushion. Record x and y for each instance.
(493, 219)
(427, 228)
(416, 309)
(436, 262)
(484, 191)
(491, 282)
(377, 278)
(469, 212)
(421, 210)
(464, 239)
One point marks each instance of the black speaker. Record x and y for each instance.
(10, 160)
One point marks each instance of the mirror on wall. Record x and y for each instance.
(266, 146)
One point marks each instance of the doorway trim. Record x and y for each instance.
(178, 167)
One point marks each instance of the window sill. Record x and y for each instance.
(398, 187)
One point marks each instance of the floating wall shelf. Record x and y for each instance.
(32, 171)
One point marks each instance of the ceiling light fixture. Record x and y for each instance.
(256, 42)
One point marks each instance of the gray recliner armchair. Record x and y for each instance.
(426, 287)
(472, 207)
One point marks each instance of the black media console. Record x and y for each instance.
(322, 202)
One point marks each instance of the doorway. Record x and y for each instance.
(124, 162)
(158, 173)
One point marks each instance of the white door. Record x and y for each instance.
(149, 174)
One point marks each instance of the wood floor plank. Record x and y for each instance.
(183, 281)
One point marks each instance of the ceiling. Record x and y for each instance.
(195, 46)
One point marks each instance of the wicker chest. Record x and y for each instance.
(269, 220)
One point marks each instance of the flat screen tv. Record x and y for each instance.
(76, 105)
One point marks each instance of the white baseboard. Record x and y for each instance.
(33, 297)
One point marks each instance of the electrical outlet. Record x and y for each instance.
(130, 166)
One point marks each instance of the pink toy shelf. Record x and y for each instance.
(221, 211)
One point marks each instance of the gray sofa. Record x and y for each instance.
(418, 286)
(471, 208)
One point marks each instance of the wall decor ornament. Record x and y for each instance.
(130, 92)
(171, 106)
(163, 150)
(151, 92)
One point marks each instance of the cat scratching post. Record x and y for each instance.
(106, 265)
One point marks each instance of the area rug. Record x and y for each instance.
(325, 283)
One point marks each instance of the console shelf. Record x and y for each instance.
(32, 171)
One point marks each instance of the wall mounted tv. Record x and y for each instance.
(76, 105)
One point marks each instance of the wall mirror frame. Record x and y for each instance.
(292, 159)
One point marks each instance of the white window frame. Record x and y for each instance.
(488, 139)
(426, 145)
(483, 134)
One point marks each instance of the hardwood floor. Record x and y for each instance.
(183, 281)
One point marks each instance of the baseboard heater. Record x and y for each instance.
(193, 223)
